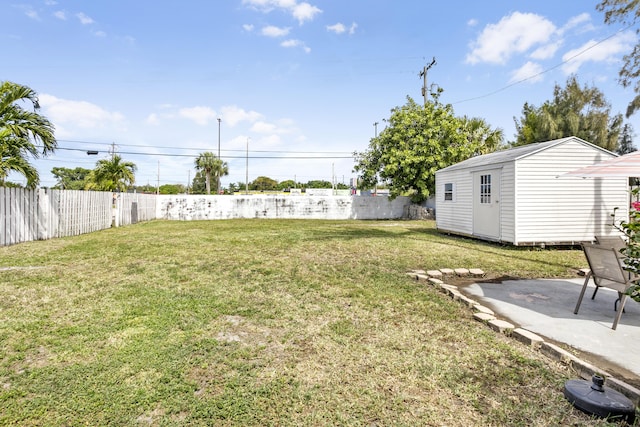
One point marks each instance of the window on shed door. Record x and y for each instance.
(485, 188)
(448, 191)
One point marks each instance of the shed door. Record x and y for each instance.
(486, 204)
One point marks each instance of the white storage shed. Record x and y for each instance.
(519, 196)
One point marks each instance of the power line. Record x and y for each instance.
(199, 149)
(544, 71)
(138, 153)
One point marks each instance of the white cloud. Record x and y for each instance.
(100, 34)
(270, 141)
(472, 22)
(576, 21)
(152, 119)
(60, 14)
(263, 127)
(82, 114)
(515, 33)
(248, 27)
(338, 28)
(32, 14)
(607, 51)
(305, 12)
(295, 43)
(84, 19)
(281, 127)
(50, 2)
(300, 11)
(529, 72)
(232, 115)
(273, 31)
(128, 39)
(200, 115)
(547, 51)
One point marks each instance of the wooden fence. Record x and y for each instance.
(42, 214)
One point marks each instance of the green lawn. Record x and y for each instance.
(265, 322)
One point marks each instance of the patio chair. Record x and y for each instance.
(607, 272)
(615, 242)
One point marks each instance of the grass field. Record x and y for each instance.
(265, 322)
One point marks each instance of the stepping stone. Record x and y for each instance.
(483, 317)
(467, 301)
(461, 271)
(419, 271)
(528, 338)
(434, 273)
(435, 281)
(446, 271)
(476, 272)
(422, 277)
(482, 309)
(501, 326)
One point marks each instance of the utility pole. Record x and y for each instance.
(158, 186)
(333, 177)
(246, 178)
(218, 187)
(423, 74)
(375, 127)
(112, 150)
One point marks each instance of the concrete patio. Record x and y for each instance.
(545, 307)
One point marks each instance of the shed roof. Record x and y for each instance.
(516, 153)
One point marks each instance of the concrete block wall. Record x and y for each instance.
(203, 207)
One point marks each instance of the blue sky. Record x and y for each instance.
(302, 81)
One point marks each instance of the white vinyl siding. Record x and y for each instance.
(537, 204)
(454, 215)
(507, 203)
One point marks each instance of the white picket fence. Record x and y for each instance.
(42, 214)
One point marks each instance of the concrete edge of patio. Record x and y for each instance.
(485, 315)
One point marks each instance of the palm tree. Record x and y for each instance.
(22, 132)
(482, 135)
(112, 175)
(208, 163)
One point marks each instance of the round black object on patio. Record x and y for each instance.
(593, 398)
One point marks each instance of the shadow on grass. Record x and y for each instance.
(433, 236)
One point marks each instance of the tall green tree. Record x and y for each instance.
(418, 141)
(287, 184)
(71, 179)
(23, 133)
(575, 110)
(172, 189)
(263, 183)
(198, 184)
(482, 136)
(112, 174)
(625, 145)
(318, 183)
(145, 189)
(626, 12)
(212, 166)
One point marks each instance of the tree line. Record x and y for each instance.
(79, 179)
